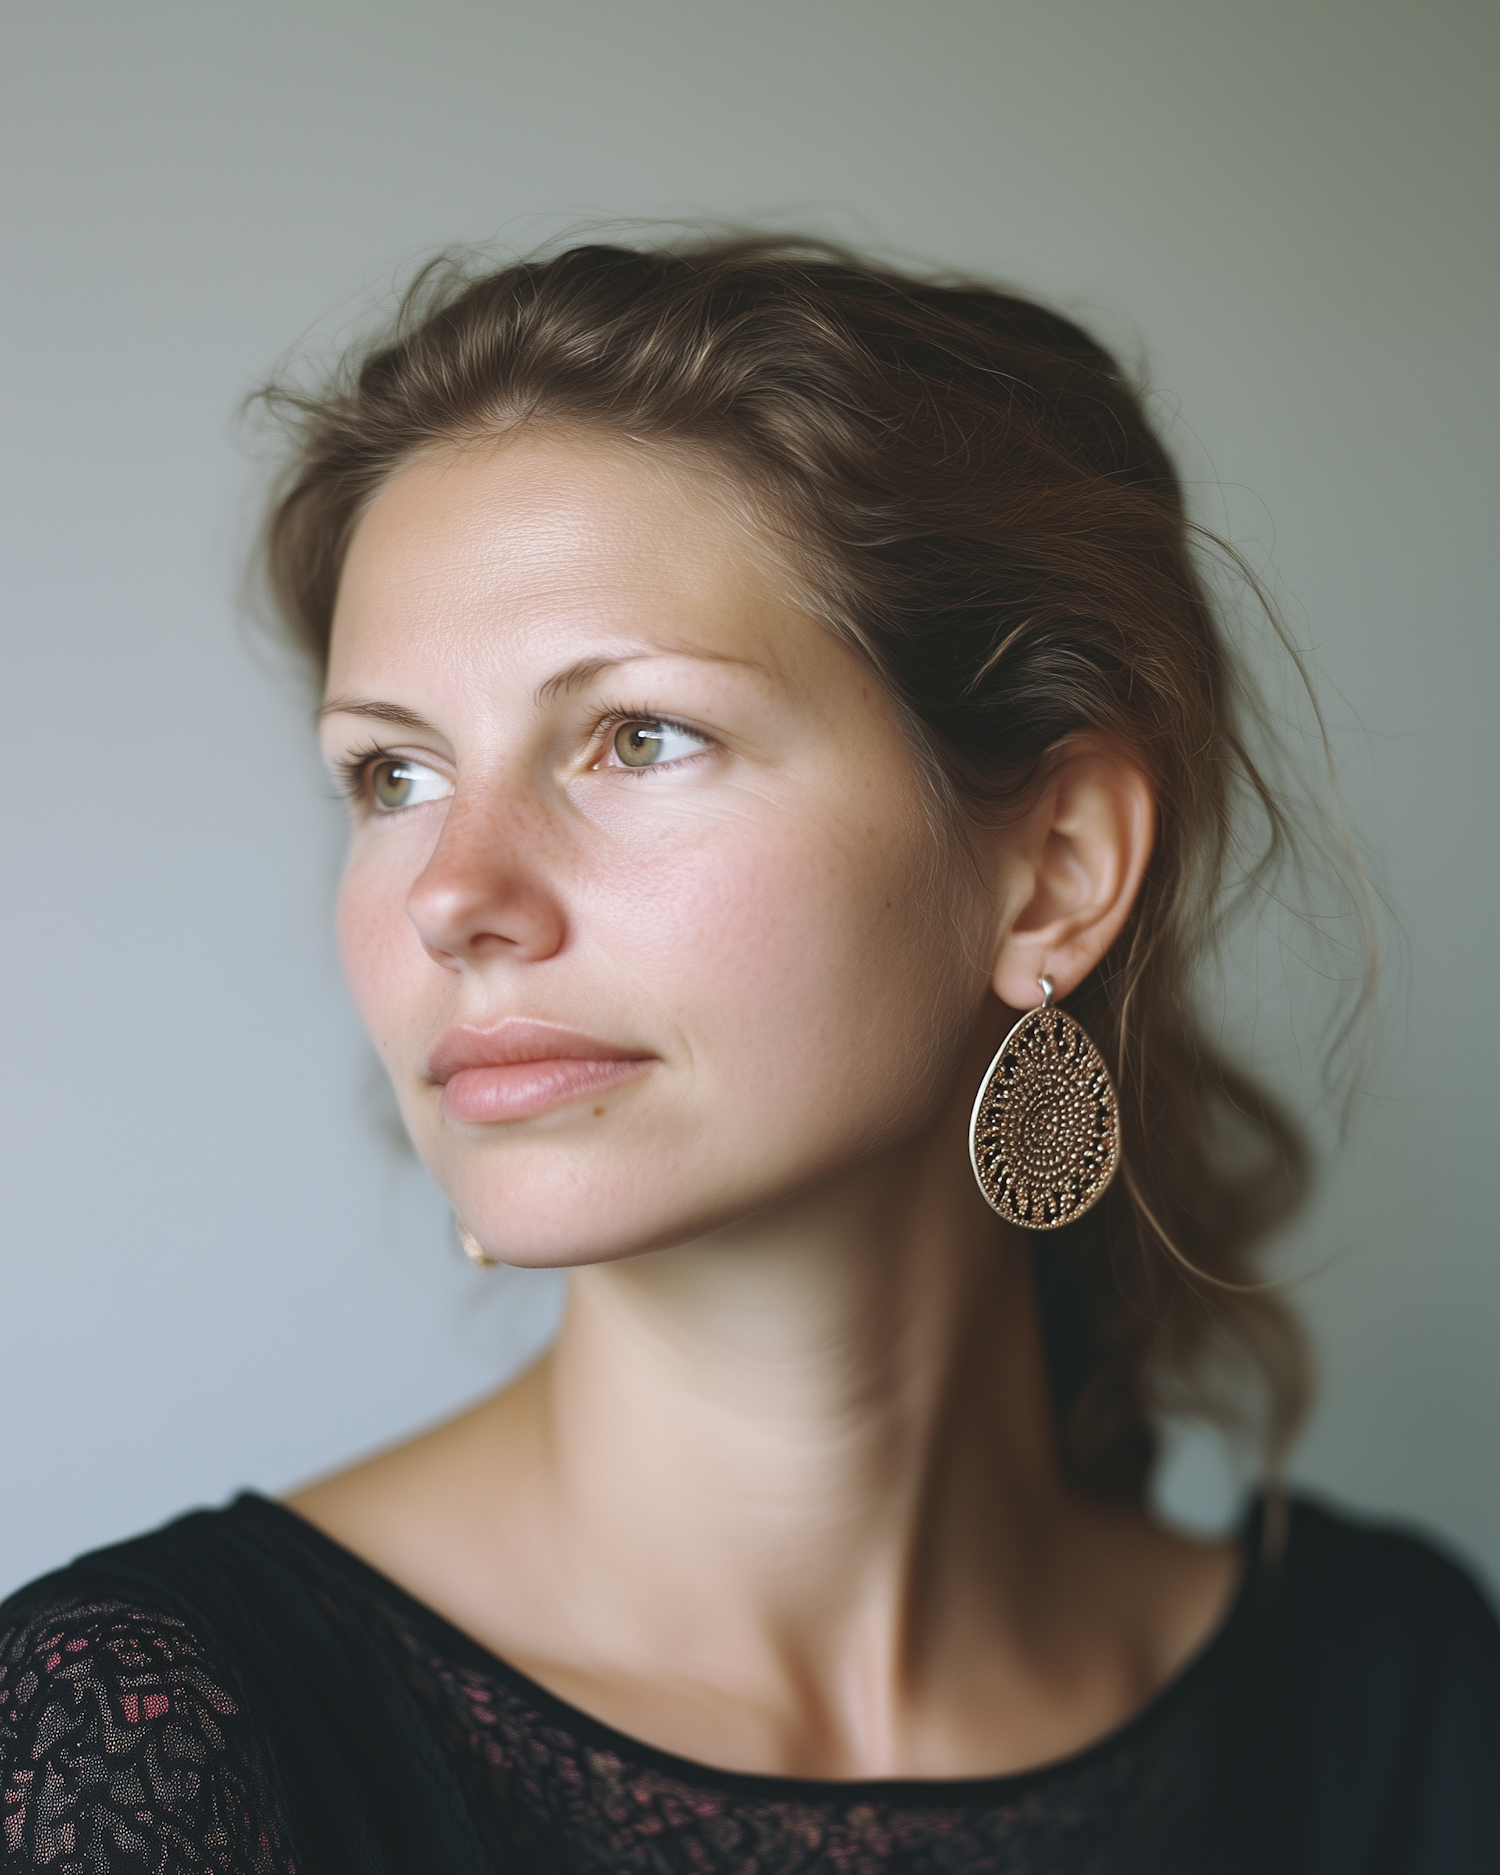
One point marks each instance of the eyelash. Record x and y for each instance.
(353, 769)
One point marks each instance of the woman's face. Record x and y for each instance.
(644, 908)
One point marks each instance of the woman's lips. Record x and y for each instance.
(517, 1068)
(516, 1090)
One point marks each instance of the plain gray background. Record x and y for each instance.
(217, 1270)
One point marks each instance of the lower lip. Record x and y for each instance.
(521, 1089)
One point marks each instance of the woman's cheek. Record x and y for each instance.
(377, 945)
(792, 964)
(713, 922)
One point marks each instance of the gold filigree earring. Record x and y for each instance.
(472, 1248)
(1044, 1141)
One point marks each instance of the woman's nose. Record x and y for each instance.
(483, 894)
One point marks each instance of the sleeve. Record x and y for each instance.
(123, 1753)
(1452, 1794)
(1400, 1700)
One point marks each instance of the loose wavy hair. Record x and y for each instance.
(971, 493)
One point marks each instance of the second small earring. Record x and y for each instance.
(1044, 1140)
(472, 1248)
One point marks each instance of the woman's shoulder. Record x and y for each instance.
(1389, 1690)
(124, 1743)
(1356, 1581)
(223, 1683)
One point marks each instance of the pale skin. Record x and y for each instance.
(783, 1497)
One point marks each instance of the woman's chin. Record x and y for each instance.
(548, 1234)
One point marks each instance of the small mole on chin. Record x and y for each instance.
(598, 1113)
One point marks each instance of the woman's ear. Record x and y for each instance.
(1072, 869)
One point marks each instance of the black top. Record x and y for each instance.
(237, 1693)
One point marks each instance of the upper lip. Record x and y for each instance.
(517, 1039)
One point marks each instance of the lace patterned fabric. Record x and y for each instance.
(121, 1751)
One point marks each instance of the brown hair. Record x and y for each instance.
(975, 497)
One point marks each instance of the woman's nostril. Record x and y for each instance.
(497, 912)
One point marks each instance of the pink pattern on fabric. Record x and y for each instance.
(159, 1779)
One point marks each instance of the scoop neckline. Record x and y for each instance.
(975, 1791)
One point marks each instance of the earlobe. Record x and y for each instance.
(1076, 862)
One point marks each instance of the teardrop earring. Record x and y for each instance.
(1044, 1141)
(472, 1248)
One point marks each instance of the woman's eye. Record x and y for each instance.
(647, 743)
(395, 783)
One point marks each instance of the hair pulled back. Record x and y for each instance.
(971, 493)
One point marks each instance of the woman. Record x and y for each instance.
(759, 681)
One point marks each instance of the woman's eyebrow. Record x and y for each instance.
(577, 676)
(563, 683)
(392, 713)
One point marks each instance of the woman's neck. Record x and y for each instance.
(804, 1418)
(787, 1499)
